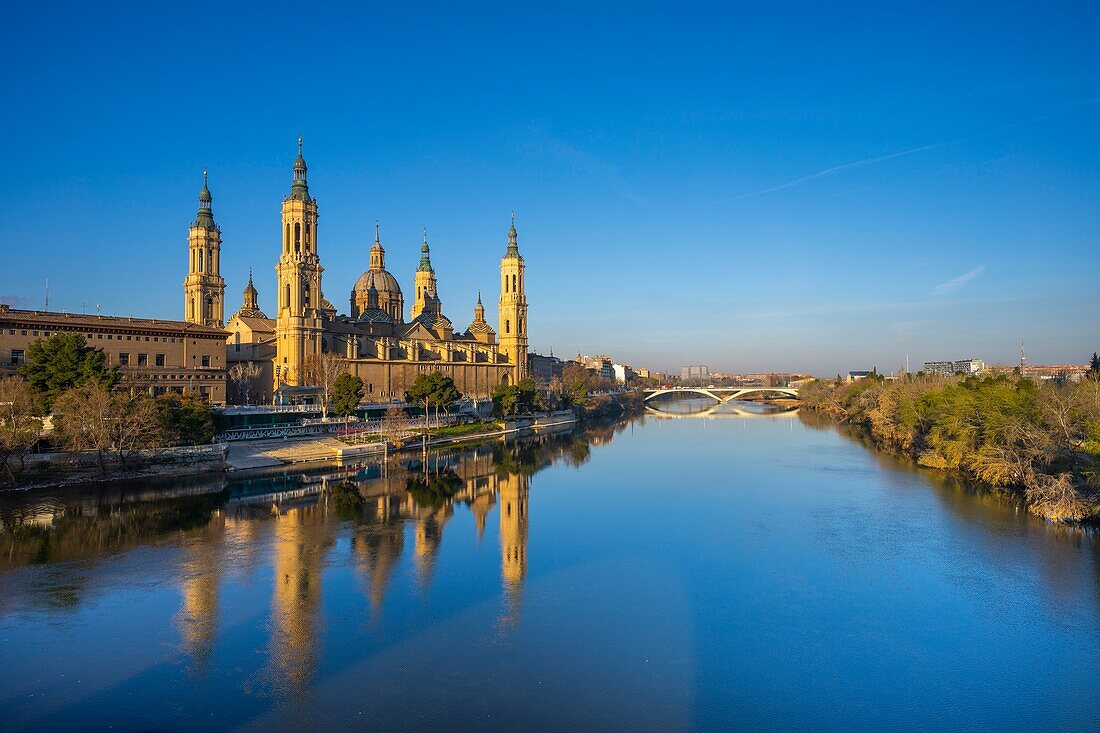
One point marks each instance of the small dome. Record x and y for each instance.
(380, 280)
(375, 315)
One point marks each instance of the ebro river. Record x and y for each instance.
(742, 570)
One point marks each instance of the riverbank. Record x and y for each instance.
(1038, 442)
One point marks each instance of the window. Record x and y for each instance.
(143, 359)
(297, 236)
(201, 258)
(110, 338)
(237, 341)
(34, 333)
(123, 358)
(507, 327)
(160, 360)
(23, 332)
(513, 283)
(205, 360)
(17, 357)
(99, 336)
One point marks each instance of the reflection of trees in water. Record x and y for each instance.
(52, 531)
(991, 515)
(432, 491)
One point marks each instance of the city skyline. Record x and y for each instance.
(733, 202)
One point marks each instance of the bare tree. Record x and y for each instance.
(393, 422)
(95, 419)
(19, 427)
(322, 371)
(243, 376)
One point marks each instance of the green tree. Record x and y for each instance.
(347, 391)
(433, 388)
(521, 398)
(19, 428)
(1094, 367)
(185, 419)
(61, 362)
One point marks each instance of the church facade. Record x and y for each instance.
(374, 340)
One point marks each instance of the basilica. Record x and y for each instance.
(374, 340)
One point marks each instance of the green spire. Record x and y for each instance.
(513, 246)
(299, 189)
(205, 216)
(425, 258)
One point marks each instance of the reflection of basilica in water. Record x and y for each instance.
(390, 517)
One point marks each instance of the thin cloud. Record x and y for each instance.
(952, 285)
(836, 169)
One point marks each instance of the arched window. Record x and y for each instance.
(191, 310)
(513, 283)
(237, 341)
(520, 327)
(201, 258)
(286, 242)
(286, 296)
(507, 327)
(297, 236)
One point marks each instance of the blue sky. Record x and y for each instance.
(756, 186)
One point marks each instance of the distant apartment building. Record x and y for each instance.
(544, 369)
(855, 376)
(602, 366)
(623, 373)
(949, 368)
(701, 371)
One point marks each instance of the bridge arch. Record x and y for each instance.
(723, 394)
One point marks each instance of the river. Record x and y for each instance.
(735, 571)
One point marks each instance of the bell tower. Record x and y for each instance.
(204, 288)
(512, 328)
(298, 325)
(425, 279)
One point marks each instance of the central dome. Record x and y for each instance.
(382, 280)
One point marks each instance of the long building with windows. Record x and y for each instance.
(154, 355)
(373, 340)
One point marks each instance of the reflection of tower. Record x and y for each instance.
(480, 507)
(379, 545)
(513, 537)
(429, 535)
(301, 541)
(198, 619)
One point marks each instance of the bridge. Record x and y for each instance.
(726, 394)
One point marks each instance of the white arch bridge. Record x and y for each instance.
(726, 394)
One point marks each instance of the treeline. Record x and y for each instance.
(1005, 431)
(68, 386)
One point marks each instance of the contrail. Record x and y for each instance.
(837, 169)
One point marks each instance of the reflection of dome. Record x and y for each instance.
(382, 280)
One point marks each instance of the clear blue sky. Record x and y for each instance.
(756, 187)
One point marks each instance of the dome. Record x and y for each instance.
(375, 315)
(382, 280)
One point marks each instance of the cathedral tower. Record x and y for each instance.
(204, 288)
(512, 335)
(298, 325)
(425, 280)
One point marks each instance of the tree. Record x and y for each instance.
(56, 364)
(185, 419)
(347, 391)
(393, 421)
(243, 376)
(577, 383)
(433, 388)
(19, 428)
(1094, 367)
(323, 371)
(94, 418)
(519, 399)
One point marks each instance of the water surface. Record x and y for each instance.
(732, 571)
